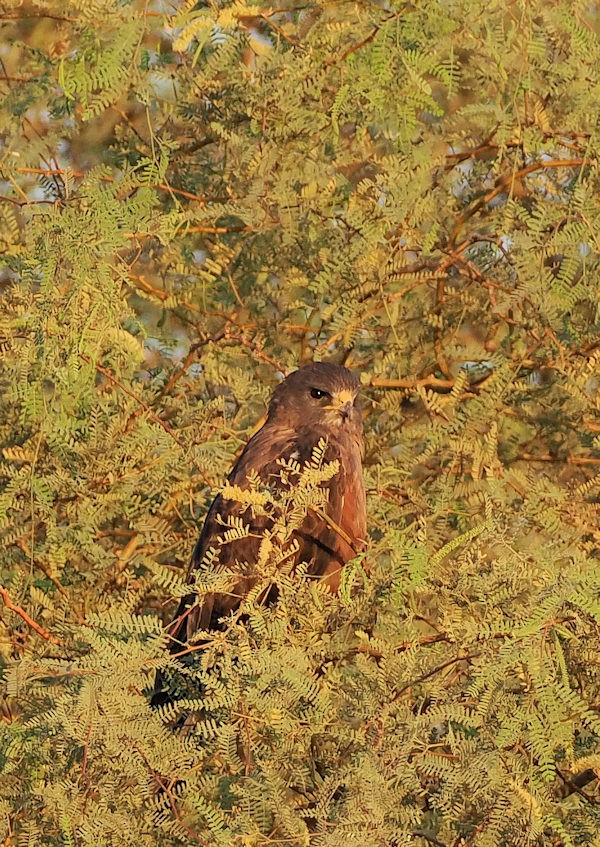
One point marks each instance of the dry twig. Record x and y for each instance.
(18, 610)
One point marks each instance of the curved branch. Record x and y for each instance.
(25, 617)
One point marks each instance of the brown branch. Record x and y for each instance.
(125, 117)
(203, 645)
(20, 78)
(179, 373)
(287, 11)
(187, 194)
(28, 16)
(218, 230)
(146, 408)
(337, 529)
(248, 746)
(48, 172)
(255, 348)
(425, 382)
(86, 749)
(25, 617)
(505, 180)
(211, 230)
(358, 45)
(266, 18)
(399, 648)
(454, 159)
(23, 546)
(569, 460)
(462, 657)
(189, 359)
(152, 415)
(457, 158)
(127, 552)
(142, 283)
(431, 839)
(194, 146)
(22, 203)
(164, 787)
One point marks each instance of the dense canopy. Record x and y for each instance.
(195, 199)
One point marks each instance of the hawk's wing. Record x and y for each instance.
(322, 543)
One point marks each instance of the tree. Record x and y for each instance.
(196, 198)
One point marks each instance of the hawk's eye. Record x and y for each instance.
(317, 394)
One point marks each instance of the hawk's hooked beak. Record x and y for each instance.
(346, 410)
(343, 402)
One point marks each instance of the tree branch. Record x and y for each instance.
(569, 460)
(27, 618)
(425, 382)
(462, 657)
(166, 789)
(152, 415)
(505, 180)
(337, 529)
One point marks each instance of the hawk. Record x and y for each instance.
(314, 407)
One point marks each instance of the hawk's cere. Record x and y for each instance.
(317, 403)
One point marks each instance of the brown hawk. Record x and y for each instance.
(315, 405)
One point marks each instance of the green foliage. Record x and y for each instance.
(196, 198)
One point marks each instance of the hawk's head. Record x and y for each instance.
(319, 393)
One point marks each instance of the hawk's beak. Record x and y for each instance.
(343, 402)
(346, 410)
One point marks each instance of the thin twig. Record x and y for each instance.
(505, 180)
(425, 382)
(163, 786)
(266, 18)
(27, 618)
(28, 16)
(399, 648)
(463, 657)
(337, 529)
(354, 47)
(48, 172)
(569, 460)
(86, 749)
(213, 230)
(431, 839)
(255, 348)
(152, 415)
